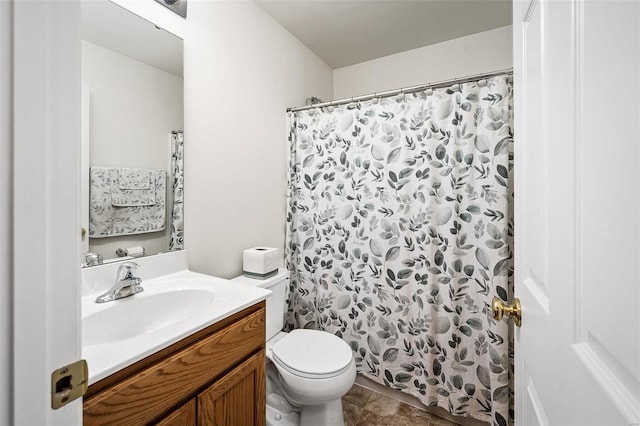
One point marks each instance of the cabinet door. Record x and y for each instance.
(183, 416)
(238, 398)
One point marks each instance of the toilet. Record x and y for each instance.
(308, 371)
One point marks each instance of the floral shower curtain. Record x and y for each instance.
(176, 238)
(399, 234)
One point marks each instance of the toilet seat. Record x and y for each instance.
(312, 354)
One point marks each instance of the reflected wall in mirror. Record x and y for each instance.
(132, 142)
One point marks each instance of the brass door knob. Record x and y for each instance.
(500, 309)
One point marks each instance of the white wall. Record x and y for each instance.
(134, 108)
(242, 70)
(482, 52)
(6, 259)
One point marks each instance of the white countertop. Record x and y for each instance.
(135, 327)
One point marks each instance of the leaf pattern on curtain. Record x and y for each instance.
(399, 234)
(176, 238)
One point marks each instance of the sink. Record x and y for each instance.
(121, 332)
(143, 313)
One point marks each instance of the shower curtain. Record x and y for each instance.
(399, 234)
(176, 237)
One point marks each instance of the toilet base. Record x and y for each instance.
(280, 412)
(277, 416)
(327, 414)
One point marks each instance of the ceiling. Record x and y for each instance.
(347, 32)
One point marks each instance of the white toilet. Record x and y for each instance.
(308, 371)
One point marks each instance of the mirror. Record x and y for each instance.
(132, 144)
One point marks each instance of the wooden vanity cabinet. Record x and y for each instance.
(183, 416)
(227, 398)
(213, 377)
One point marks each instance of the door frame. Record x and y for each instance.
(46, 237)
(6, 182)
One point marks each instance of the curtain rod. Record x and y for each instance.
(412, 89)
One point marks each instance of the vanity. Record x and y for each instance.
(188, 350)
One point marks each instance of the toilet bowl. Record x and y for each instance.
(314, 368)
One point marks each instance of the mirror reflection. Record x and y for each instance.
(132, 120)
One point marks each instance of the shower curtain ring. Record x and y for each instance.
(429, 89)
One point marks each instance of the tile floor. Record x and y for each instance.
(364, 407)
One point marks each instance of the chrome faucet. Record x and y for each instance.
(126, 284)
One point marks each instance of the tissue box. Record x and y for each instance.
(260, 262)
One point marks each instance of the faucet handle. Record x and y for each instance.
(126, 269)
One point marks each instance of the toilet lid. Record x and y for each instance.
(312, 353)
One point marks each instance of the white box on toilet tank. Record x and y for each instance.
(260, 262)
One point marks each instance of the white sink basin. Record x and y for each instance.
(144, 313)
(118, 333)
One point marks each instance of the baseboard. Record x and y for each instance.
(413, 401)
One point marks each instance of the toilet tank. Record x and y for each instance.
(278, 285)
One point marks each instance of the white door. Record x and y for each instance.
(577, 111)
